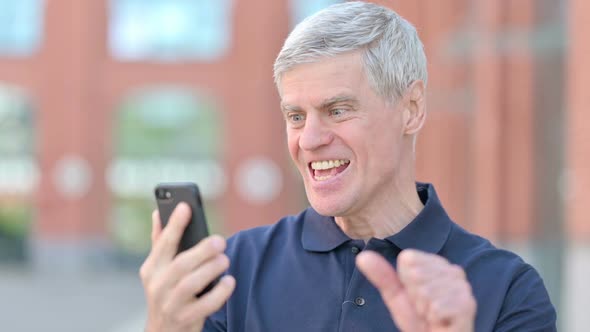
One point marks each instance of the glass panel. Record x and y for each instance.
(169, 30)
(301, 9)
(18, 172)
(162, 134)
(21, 26)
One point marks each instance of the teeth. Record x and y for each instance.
(327, 164)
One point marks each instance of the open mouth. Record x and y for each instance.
(323, 170)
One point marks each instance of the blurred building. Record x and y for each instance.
(100, 100)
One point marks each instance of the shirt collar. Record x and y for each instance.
(321, 233)
(427, 232)
(430, 229)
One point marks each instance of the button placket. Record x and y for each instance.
(356, 308)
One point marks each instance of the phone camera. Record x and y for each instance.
(163, 194)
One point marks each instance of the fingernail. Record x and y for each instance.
(184, 206)
(227, 280)
(218, 242)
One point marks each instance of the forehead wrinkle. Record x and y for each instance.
(342, 98)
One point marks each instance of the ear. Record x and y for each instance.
(414, 108)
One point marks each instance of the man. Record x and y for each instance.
(375, 251)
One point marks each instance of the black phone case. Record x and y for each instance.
(197, 229)
(189, 193)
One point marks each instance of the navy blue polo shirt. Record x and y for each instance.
(300, 275)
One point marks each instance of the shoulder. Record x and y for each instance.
(483, 261)
(470, 250)
(503, 283)
(486, 264)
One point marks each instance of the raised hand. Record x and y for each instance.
(426, 294)
(171, 281)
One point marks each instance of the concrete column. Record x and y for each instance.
(576, 290)
(485, 148)
(70, 230)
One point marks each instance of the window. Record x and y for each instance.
(162, 134)
(169, 30)
(21, 26)
(301, 9)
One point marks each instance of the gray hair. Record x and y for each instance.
(392, 54)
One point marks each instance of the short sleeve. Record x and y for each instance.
(527, 306)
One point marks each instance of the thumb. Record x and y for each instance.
(382, 275)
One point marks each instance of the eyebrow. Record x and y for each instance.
(289, 108)
(325, 104)
(338, 99)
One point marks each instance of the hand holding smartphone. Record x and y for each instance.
(168, 195)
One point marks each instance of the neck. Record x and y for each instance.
(386, 216)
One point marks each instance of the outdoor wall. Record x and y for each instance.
(100, 100)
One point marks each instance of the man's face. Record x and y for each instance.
(345, 140)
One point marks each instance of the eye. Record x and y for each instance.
(295, 119)
(338, 112)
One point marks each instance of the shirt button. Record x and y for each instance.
(360, 301)
(355, 250)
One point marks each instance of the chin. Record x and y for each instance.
(322, 210)
(335, 203)
(329, 207)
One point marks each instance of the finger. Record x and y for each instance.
(454, 304)
(156, 226)
(382, 275)
(441, 307)
(422, 295)
(146, 270)
(200, 278)
(413, 257)
(421, 281)
(206, 249)
(415, 267)
(188, 261)
(211, 301)
(421, 302)
(444, 287)
(423, 275)
(167, 245)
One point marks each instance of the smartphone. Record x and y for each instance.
(168, 195)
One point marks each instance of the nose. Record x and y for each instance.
(314, 134)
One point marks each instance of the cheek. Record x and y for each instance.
(378, 150)
(293, 144)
